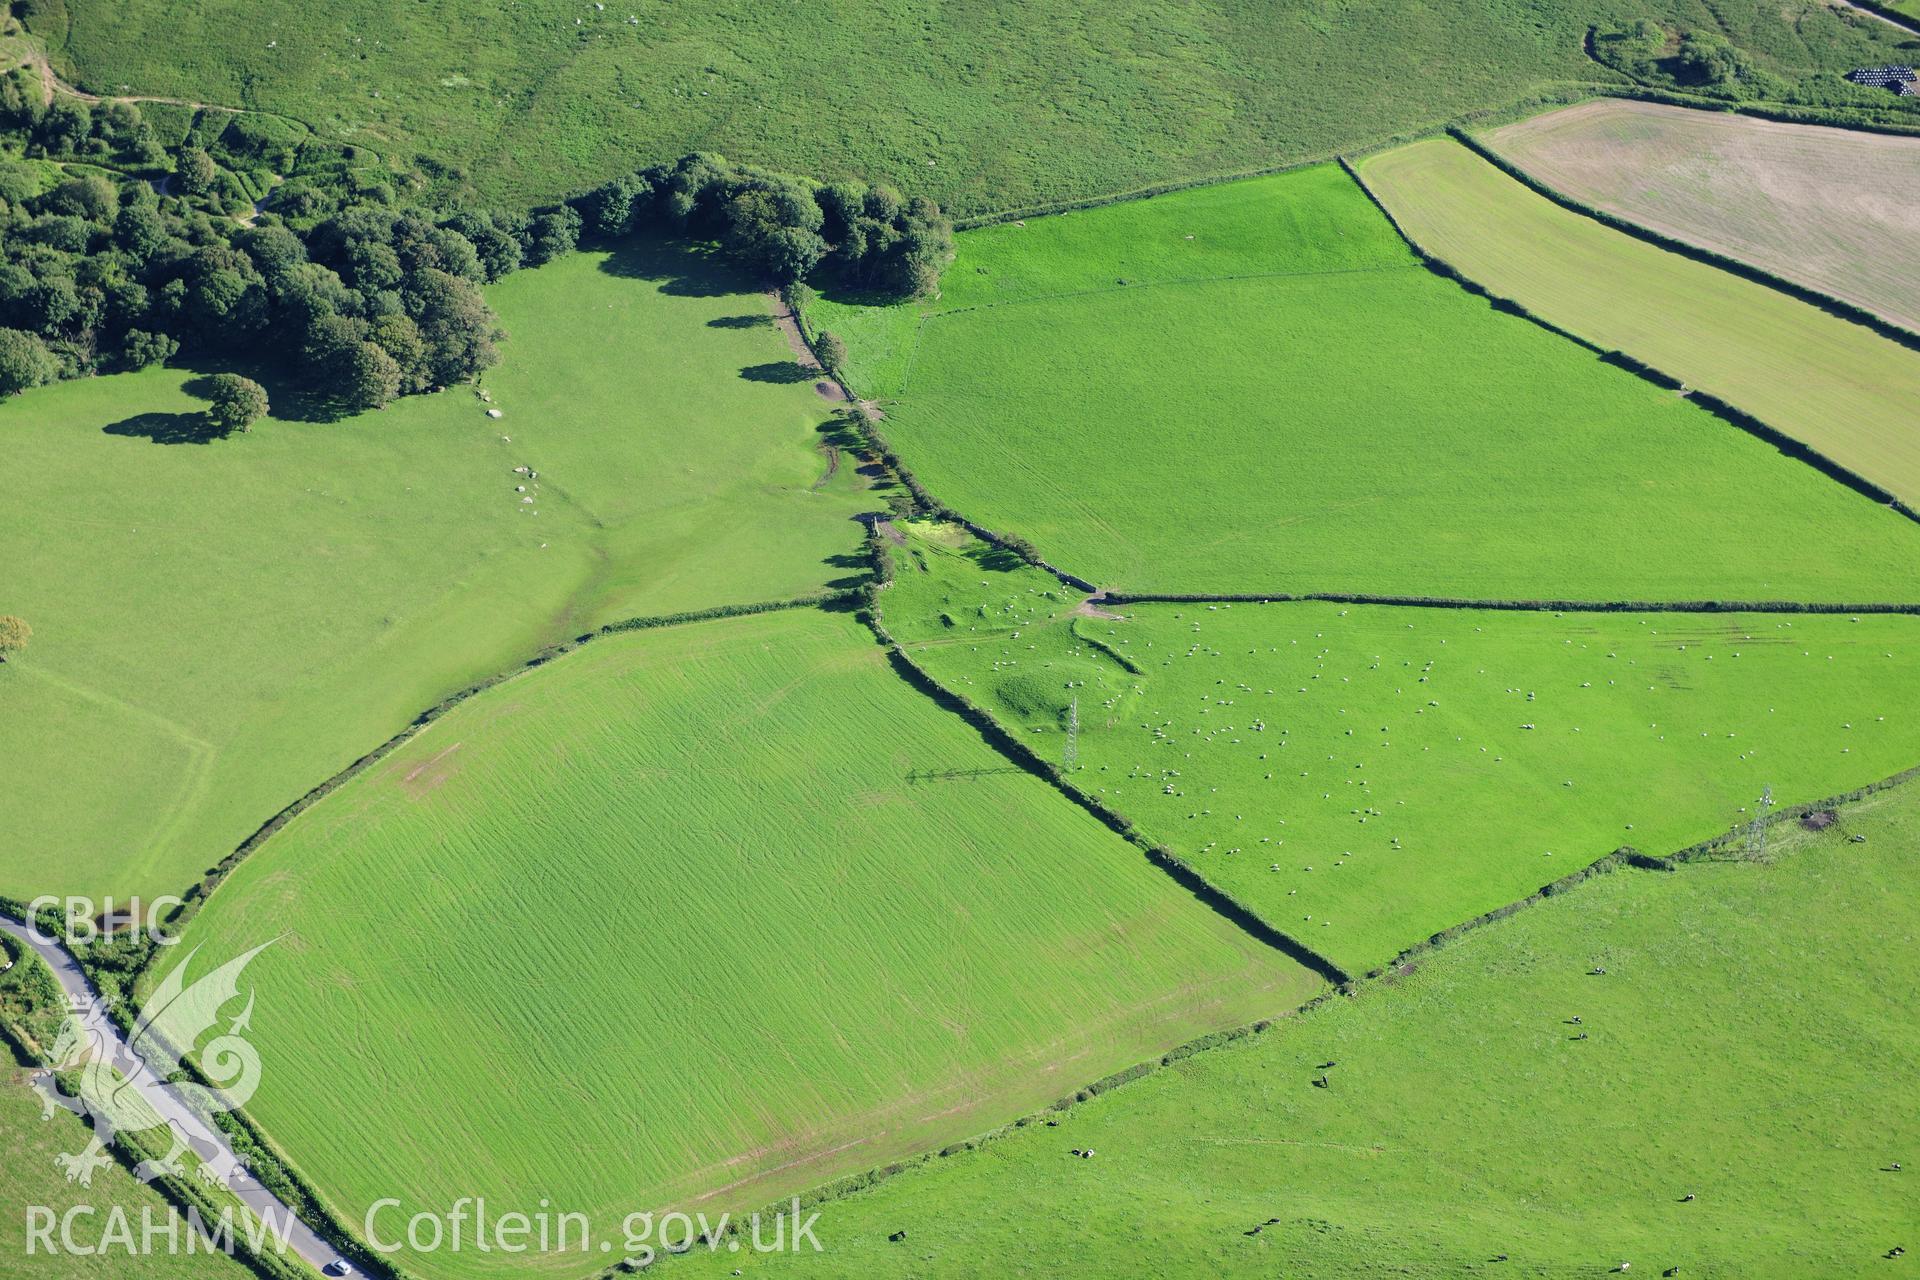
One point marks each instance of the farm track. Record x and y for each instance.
(1889, 19)
(312, 1248)
(51, 85)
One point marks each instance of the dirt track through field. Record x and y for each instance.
(51, 84)
(789, 326)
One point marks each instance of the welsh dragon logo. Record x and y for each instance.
(125, 1086)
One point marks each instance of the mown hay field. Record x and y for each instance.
(1832, 209)
(677, 921)
(1258, 388)
(985, 106)
(1833, 385)
(1735, 1110)
(220, 626)
(1365, 777)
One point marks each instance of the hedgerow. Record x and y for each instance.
(1745, 270)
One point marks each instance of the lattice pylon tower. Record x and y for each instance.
(1070, 756)
(1757, 833)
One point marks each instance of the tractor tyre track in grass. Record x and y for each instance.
(197, 895)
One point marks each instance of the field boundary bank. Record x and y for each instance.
(1344, 983)
(128, 1151)
(294, 1186)
(1628, 857)
(1512, 606)
(197, 895)
(1545, 95)
(56, 84)
(186, 1196)
(1837, 307)
(1728, 412)
(850, 1184)
(1177, 868)
(1383, 977)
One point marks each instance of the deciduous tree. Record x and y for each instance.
(237, 402)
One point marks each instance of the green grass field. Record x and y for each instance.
(1300, 223)
(1829, 383)
(672, 922)
(1749, 1045)
(218, 627)
(1801, 201)
(703, 916)
(991, 105)
(1288, 402)
(1364, 777)
(28, 1177)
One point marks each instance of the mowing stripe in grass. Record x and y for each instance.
(1205, 1155)
(1161, 284)
(1788, 444)
(1572, 444)
(1746, 270)
(1839, 388)
(197, 895)
(602, 723)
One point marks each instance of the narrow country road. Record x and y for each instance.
(207, 1141)
(1895, 23)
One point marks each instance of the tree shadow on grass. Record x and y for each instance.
(997, 558)
(836, 286)
(779, 371)
(166, 428)
(683, 268)
(293, 399)
(839, 431)
(741, 322)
